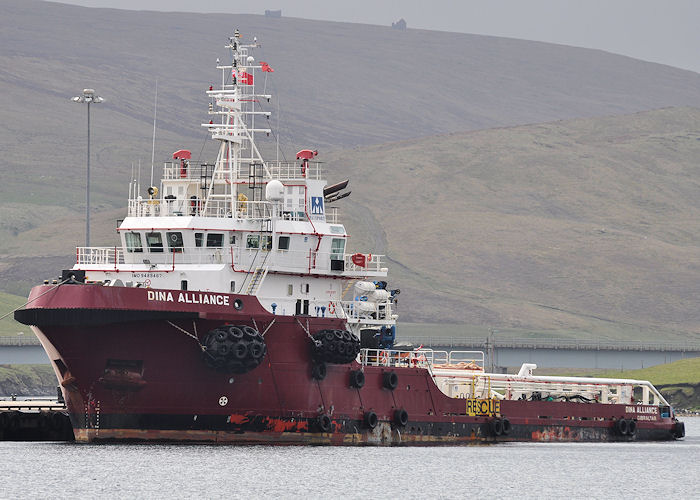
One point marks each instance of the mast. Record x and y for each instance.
(233, 109)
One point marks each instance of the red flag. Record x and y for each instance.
(246, 78)
(266, 67)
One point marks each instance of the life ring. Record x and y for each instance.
(331, 307)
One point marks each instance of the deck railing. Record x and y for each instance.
(570, 344)
(277, 169)
(240, 259)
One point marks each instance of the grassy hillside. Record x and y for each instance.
(568, 228)
(27, 380)
(580, 228)
(8, 326)
(685, 371)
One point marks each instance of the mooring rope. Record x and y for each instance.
(35, 298)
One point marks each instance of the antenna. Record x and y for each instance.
(153, 149)
(138, 183)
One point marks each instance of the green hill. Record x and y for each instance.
(684, 371)
(580, 228)
(8, 326)
(577, 227)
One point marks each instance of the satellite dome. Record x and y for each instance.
(274, 191)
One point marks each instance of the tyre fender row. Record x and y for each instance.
(370, 420)
(233, 349)
(500, 426)
(390, 380)
(626, 427)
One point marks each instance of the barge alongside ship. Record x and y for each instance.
(232, 312)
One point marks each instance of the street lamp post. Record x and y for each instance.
(88, 97)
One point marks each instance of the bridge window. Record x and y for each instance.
(133, 242)
(155, 242)
(283, 243)
(232, 238)
(252, 241)
(175, 242)
(198, 239)
(266, 242)
(215, 240)
(337, 248)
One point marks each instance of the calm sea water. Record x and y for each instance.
(522, 470)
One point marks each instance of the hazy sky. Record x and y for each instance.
(664, 31)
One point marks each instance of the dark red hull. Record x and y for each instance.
(89, 332)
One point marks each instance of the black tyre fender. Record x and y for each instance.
(249, 332)
(370, 420)
(357, 379)
(319, 371)
(323, 422)
(496, 426)
(240, 350)
(235, 332)
(507, 426)
(622, 426)
(256, 350)
(679, 430)
(390, 380)
(631, 427)
(401, 417)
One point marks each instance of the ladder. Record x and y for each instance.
(256, 280)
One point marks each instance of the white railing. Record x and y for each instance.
(221, 208)
(115, 256)
(278, 170)
(358, 311)
(111, 256)
(241, 259)
(373, 263)
(456, 382)
(394, 358)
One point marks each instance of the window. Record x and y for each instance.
(215, 240)
(337, 248)
(198, 239)
(175, 241)
(283, 243)
(155, 242)
(183, 285)
(252, 241)
(233, 287)
(133, 242)
(266, 242)
(290, 289)
(232, 238)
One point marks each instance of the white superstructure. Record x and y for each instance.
(244, 224)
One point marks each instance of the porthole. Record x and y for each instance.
(238, 304)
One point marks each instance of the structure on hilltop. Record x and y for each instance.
(399, 25)
(273, 13)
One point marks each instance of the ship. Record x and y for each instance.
(233, 311)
